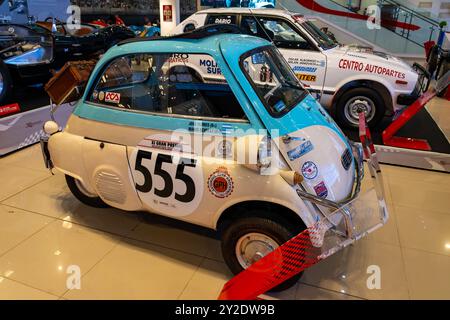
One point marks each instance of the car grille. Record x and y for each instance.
(346, 159)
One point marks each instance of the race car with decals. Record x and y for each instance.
(347, 79)
(29, 53)
(258, 162)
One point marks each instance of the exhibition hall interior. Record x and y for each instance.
(224, 150)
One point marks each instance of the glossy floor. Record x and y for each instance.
(46, 233)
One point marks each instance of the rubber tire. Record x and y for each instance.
(278, 231)
(367, 92)
(95, 202)
(7, 83)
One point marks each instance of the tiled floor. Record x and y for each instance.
(44, 230)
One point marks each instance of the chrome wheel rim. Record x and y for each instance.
(252, 247)
(83, 189)
(355, 106)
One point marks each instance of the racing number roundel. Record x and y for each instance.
(167, 180)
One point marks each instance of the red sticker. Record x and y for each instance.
(10, 108)
(112, 97)
(220, 183)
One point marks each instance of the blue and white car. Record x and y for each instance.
(257, 161)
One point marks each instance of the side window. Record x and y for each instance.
(171, 84)
(221, 19)
(281, 32)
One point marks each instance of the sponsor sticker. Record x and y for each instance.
(309, 170)
(9, 109)
(306, 77)
(220, 183)
(112, 97)
(101, 96)
(95, 95)
(321, 190)
(279, 106)
(300, 151)
(304, 69)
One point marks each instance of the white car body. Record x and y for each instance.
(329, 72)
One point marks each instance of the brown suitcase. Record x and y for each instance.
(68, 84)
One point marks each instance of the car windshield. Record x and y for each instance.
(321, 37)
(273, 80)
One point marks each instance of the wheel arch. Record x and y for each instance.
(241, 210)
(379, 87)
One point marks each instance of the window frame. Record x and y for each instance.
(268, 108)
(159, 114)
(293, 26)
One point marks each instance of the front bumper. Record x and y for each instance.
(354, 218)
(422, 85)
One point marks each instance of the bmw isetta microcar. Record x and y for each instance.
(250, 154)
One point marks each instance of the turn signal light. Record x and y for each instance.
(401, 82)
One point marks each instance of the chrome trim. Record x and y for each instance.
(169, 115)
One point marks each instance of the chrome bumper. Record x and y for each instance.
(355, 217)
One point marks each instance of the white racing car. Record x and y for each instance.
(347, 79)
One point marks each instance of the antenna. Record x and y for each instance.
(262, 27)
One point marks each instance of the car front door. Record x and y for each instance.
(307, 61)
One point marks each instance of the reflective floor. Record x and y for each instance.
(45, 231)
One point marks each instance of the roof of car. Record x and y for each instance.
(247, 10)
(207, 40)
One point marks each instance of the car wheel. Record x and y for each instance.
(5, 83)
(80, 192)
(358, 100)
(247, 240)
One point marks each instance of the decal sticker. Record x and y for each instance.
(321, 190)
(166, 182)
(306, 77)
(304, 69)
(95, 95)
(211, 66)
(179, 58)
(162, 145)
(369, 68)
(225, 149)
(112, 97)
(306, 62)
(101, 96)
(279, 106)
(300, 151)
(220, 183)
(222, 21)
(309, 170)
(9, 109)
(288, 139)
